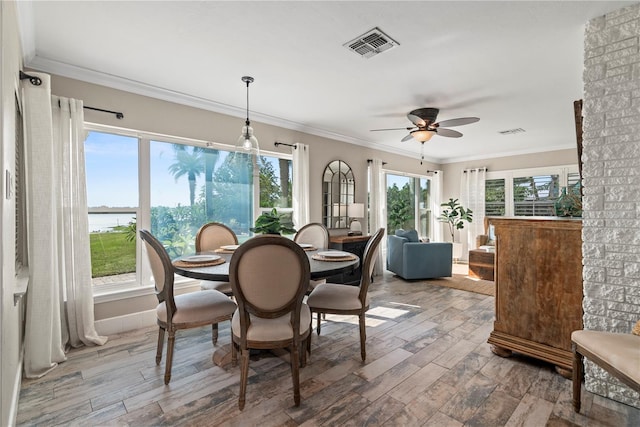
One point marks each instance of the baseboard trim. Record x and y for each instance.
(127, 322)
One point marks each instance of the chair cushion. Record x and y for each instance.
(410, 235)
(224, 287)
(198, 307)
(335, 297)
(622, 351)
(277, 329)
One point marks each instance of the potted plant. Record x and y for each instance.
(274, 223)
(455, 216)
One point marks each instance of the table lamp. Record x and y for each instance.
(356, 210)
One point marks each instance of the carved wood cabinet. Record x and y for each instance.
(538, 280)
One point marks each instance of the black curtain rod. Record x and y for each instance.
(432, 171)
(371, 161)
(118, 114)
(295, 147)
(36, 81)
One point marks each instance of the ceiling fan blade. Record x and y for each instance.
(404, 128)
(457, 122)
(406, 138)
(418, 121)
(448, 133)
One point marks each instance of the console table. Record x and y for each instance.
(538, 280)
(355, 245)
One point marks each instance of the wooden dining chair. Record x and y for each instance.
(209, 238)
(269, 277)
(331, 298)
(184, 311)
(315, 234)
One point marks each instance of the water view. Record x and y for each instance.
(105, 222)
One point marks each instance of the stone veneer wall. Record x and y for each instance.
(611, 178)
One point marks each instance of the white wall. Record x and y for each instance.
(10, 324)
(611, 173)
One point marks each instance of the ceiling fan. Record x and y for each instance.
(425, 125)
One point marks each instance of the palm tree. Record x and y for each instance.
(187, 163)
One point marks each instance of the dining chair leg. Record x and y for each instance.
(318, 327)
(577, 379)
(244, 373)
(214, 333)
(234, 353)
(160, 345)
(363, 337)
(295, 373)
(170, 345)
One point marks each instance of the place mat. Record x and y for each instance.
(223, 251)
(187, 264)
(334, 259)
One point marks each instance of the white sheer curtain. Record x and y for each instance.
(472, 197)
(436, 200)
(377, 209)
(59, 310)
(300, 185)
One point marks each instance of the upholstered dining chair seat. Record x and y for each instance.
(336, 297)
(213, 285)
(197, 307)
(277, 329)
(621, 351)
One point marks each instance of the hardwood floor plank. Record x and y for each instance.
(532, 411)
(417, 383)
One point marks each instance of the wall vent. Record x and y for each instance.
(371, 43)
(511, 131)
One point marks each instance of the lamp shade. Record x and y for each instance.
(422, 135)
(356, 210)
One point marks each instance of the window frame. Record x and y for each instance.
(142, 284)
(562, 171)
(416, 195)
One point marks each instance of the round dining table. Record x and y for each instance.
(319, 269)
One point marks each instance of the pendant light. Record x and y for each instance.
(247, 142)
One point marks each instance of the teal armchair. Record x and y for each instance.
(411, 259)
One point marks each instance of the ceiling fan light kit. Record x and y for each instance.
(425, 125)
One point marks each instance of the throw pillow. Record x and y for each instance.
(410, 235)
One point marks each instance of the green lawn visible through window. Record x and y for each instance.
(112, 254)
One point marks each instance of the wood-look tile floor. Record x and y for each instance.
(428, 364)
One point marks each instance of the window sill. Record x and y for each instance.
(122, 291)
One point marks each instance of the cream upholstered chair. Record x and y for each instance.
(209, 238)
(344, 299)
(184, 311)
(269, 277)
(317, 235)
(616, 353)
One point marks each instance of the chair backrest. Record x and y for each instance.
(369, 258)
(162, 270)
(213, 235)
(269, 276)
(315, 234)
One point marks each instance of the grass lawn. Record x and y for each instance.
(112, 254)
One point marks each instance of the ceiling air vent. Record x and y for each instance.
(371, 43)
(511, 131)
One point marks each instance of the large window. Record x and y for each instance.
(408, 204)
(172, 188)
(530, 192)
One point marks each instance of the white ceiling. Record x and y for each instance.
(512, 64)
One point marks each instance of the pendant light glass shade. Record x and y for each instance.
(247, 142)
